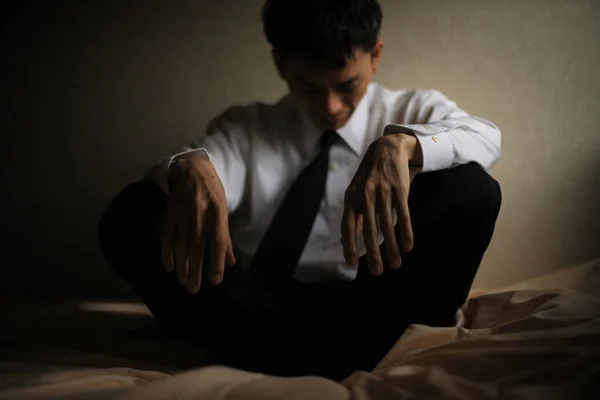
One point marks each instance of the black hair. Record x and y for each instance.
(322, 32)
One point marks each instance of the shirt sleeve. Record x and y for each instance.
(448, 135)
(225, 145)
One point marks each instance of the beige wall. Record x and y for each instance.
(97, 92)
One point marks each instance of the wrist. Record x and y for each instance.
(410, 144)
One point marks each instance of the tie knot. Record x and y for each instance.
(328, 139)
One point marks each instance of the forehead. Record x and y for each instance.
(304, 71)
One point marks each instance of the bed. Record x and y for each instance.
(539, 339)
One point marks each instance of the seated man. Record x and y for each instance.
(302, 237)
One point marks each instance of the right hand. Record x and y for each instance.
(196, 216)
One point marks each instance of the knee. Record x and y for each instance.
(475, 192)
(128, 216)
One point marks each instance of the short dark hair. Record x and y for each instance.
(322, 32)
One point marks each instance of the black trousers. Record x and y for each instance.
(329, 329)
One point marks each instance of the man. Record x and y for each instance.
(303, 237)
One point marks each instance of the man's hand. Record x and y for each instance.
(381, 183)
(196, 215)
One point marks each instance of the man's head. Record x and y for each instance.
(327, 51)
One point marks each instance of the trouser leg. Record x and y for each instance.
(220, 317)
(453, 214)
(327, 329)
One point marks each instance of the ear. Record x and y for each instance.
(376, 55)
(279, 63)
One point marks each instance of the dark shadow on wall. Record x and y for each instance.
(95, 92)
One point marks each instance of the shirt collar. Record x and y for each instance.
(353, 133)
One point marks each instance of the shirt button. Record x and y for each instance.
(435, 139)
(334, 166)
(427, 127)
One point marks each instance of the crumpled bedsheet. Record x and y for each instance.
(519, 344)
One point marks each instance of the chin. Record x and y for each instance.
(332, 125)
(339, 125)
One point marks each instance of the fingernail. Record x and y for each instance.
(192, 289)
(216, 279)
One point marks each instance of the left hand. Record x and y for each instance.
(381, 183)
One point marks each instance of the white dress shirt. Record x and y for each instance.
(258, 150)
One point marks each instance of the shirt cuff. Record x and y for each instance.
(436, 145)
(160, 172)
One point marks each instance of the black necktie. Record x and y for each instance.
(280, 249)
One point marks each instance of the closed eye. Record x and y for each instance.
(310, 89)
(349, 85)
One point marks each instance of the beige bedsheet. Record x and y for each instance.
(541, 344)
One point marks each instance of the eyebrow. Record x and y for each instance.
(346, 82)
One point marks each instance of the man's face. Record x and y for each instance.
(330, 96)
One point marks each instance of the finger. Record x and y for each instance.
(230, 258)
(370, 231)
(180, 247)
(194, 280)
(196, 255)
(404, 222)
(219, 243)
(166, 244)
(386, 222)
(359, 223)
(348, 228)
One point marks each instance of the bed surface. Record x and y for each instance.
(528, 341)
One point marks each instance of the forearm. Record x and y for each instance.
(226, 148)
(447, 135)
(159, 172)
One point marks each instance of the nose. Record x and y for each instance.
(334, 104)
